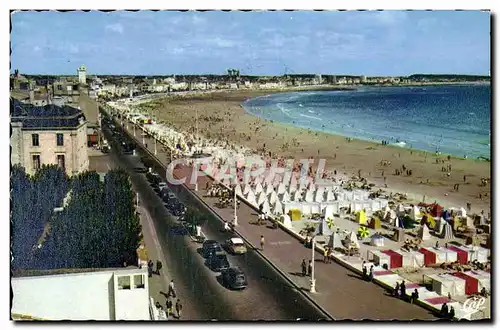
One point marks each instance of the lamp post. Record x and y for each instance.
(235, 206)
(313, 279)
(156, 152)
(134, 129)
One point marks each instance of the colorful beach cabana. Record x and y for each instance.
(462, 254)
(471, 283)
(395, 259)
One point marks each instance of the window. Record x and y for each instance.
(139, 281)
(60, 140)
(36, 162)
(59, 87)
(123, 282)
(34, 140)
(60, 161)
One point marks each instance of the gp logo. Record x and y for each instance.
(472, 305)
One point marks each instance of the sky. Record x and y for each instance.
(385, 43)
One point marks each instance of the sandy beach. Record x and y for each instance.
(221, 116)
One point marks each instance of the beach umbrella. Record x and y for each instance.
(330, 223)
(330, 196)
(319, 194)
(258, 188)
(281, 188)
(273, 198)
(269, 188)
(286, 197)
(310, 196)
(238, 190)
(363, 232)
(247, 189)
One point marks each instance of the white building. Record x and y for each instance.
(82, 74)
(50, 135)
(108, 295)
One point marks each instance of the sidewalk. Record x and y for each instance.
(340, 291)
(158, 284)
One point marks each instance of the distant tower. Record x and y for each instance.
(131, 91)
(82, 74)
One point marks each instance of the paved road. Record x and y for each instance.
(268, 296)
(341, 292)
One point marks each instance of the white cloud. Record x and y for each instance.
(219, 42)
(73, 49)
(37, 49)
(118, 28)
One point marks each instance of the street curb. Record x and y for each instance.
(209, 208)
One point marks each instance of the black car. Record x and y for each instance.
(153, 178)
(140, 169)
(234, 278)
(167, 196)
(178, 210)
(209, 248)
(218, 262)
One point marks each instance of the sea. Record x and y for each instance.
(450, 119)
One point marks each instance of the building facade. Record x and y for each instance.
(48, 135)
(107, 295)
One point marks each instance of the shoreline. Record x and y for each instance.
(222, 117)
(430, 153)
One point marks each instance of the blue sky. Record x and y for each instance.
(330, 42)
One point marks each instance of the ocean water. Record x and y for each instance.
(452, 119)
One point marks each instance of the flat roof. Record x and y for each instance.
(237, 240)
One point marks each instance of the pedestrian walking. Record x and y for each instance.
(365, 271)
(414, 296)
(262, 242)
(150, 268)
(325, 256)
(310, 268)
(370, 276)
(304, 267)
(158, 266)
(396, 290)
(403, 290)
(171, 289)
(178, 308)
(168, 306)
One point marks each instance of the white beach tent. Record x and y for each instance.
(246, 190)
(447, 232)
(281, 189)
(352, 239)
(286, 197)
(330, 196)
(375, 205)
(273, 197)
(309, 196)
(269, 189)
(258, 188)
(329, 210)
(287, 222)
(477, 253)
(238, 190)
(415, 213)
(380, 258)
(266, 207)
(278, 208)
(335, 241)
(315, 208)
(251, 198)
(319, 195)
(306, 208)
(297, 197)
(443, 284)
(261, 198)
(292, 188)
(415, 259)
(423, 233)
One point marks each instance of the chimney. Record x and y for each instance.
(32, 96)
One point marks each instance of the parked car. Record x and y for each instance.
(178, 210)
(167, 196)
(210, 247)
(218, 261)
(236, 245)
(153, 178)
(234, 278)
(140, 169)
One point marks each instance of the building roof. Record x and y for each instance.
(45, 117)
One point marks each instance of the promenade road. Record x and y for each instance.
(340, 291)
(268, 296)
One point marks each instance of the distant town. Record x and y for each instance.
(107, 87)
